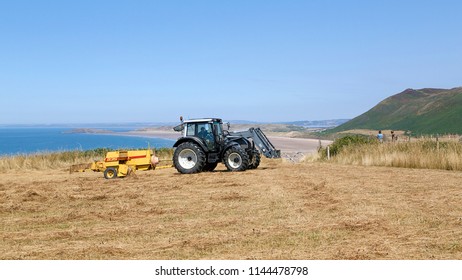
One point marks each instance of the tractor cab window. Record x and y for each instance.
(191, 129)
(201, 130)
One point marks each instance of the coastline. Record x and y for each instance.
(162, 134)
(28, 141)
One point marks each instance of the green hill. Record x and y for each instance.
(426, 111)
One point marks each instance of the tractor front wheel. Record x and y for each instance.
(188, 158)
(236, 159)
(254, 161)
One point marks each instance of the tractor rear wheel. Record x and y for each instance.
(236, 159)
(110, 173)
(189, 158)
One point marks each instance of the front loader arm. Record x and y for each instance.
(260, 140)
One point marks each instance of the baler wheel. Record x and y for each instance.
(110, 173)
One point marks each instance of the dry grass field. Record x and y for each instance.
(279, 211)
(426, 154)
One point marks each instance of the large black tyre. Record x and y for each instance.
(210, 166)
(254, 159)
(110, 173)
(188, 158)
(236, 159)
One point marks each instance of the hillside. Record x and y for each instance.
(426, 111)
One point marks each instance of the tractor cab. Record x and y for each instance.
(207, 131)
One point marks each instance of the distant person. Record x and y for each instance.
(393, 136)
(380, 136)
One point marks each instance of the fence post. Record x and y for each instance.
(328, 153)
(437, 142)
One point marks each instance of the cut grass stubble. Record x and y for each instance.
(278, 211)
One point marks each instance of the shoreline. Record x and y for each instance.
(167, 135)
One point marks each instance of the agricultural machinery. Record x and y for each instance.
(204, 143)
(121, 163)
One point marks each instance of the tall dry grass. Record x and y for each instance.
(425, 154)
(57, 160)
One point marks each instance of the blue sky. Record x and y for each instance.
(152, 61)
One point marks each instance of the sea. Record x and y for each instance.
(32, 140)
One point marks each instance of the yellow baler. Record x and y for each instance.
(121, 163)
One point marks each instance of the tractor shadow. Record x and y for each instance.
(222, 171)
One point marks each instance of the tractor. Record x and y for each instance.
(204, 143)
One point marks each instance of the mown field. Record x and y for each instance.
(281, 210)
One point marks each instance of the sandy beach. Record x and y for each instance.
(287, 145)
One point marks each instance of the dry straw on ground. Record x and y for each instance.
(278, 211)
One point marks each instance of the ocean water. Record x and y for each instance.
(19, 140)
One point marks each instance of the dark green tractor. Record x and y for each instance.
(204, 143)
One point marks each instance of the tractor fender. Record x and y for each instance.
(193, 139)
(235, 142)
(244, 142)
(241, 141)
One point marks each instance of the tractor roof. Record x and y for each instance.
(202, 120)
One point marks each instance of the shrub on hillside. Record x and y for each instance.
(349, 140)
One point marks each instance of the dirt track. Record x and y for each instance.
(278, 211)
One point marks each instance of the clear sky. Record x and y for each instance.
(152, 61)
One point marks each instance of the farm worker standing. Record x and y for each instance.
(380, 136)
